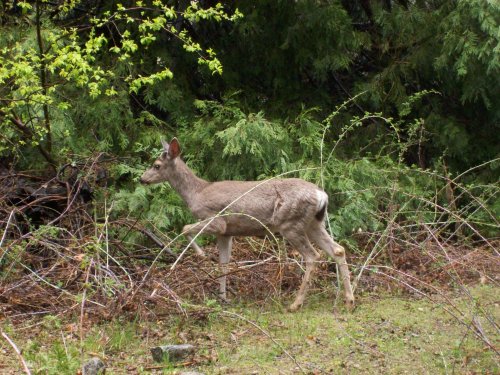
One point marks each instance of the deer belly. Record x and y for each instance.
(242, 225)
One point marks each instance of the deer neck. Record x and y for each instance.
(185, 182)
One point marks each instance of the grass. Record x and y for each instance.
(386, 334)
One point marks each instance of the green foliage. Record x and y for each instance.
(452, 48)
(471, 47)
(248, 88)
(159, 205)
(39, 65)
(246, 141)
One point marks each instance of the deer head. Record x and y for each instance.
(163, 166)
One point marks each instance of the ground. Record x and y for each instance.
(386, 334)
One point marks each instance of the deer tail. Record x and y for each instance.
(322, 205)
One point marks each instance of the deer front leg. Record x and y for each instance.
(224, 244)
(215, 226)
(195, 246)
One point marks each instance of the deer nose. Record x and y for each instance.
(142, 181)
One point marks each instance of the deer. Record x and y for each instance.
(291, 207)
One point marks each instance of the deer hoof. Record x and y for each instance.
(339, 251)
(225, 300)
(349, 304)
(294, 307)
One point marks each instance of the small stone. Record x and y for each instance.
(172, 352)
(94, 366)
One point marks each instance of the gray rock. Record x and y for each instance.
(172, 352)
(94, 366)
(191, 373)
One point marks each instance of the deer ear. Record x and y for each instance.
(165, 149)
(165, 145)
(174, 148)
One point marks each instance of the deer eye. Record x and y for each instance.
(156, 166)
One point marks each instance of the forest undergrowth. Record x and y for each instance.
(67, 254)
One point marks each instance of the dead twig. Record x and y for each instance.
(5, 234)
(18, 352)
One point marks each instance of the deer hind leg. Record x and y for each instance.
(216, 227)
(224, 244)
(300, 241)
(318, 234)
